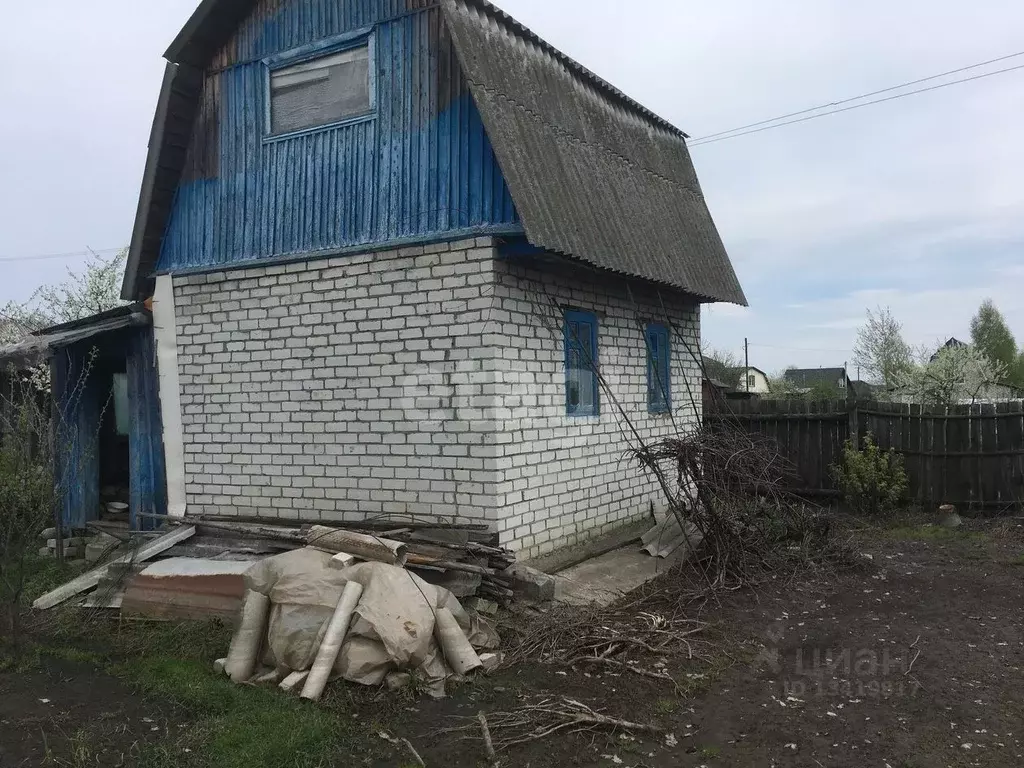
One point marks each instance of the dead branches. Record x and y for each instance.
(731, 488)
(621, 639)
(544, 718)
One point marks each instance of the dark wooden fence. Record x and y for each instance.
(968, 455)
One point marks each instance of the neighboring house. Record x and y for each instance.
(805, 380)
(409, 259)
(953, 343)
(752, 380)
(717, 394)
(863, 390)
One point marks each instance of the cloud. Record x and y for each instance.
(916, 204)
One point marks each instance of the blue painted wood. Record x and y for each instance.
(147, 478)
(659, 368)
(582, 390)
(78, 394)
(420, 168)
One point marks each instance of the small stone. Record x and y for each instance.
(949, 517)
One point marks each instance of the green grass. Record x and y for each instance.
(242, 726)
(666, 706)
(228, 726)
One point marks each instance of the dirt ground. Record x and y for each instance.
(68, 713)
(913, 661)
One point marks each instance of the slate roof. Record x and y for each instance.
(37, 347)
(805, 378)
(594, 175)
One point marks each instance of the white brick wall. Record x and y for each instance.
(564, 479)
(300, 386)
(425, 381)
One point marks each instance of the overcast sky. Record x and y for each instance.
(917, 204)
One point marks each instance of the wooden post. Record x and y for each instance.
(854, 423)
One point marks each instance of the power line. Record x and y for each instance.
(734, 135)
(862, 96)
(68, 255)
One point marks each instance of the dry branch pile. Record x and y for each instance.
(539, 718)
(730, 488)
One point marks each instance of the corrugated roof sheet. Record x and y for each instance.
(593, 175)
(36, 349)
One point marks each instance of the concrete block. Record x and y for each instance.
(530, 585)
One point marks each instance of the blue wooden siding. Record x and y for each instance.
(147, 481)
(82, 391)
(420, 168)
(77, 394)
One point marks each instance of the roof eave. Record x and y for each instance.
(130, 289)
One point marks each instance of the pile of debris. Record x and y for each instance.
(310, 616)
(200, 562)
(316, 603)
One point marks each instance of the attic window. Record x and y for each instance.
(320, 92)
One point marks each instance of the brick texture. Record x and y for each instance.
(563, 479)
(426, 381)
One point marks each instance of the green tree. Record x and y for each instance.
(992, 337)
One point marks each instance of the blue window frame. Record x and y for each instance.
(582, 396)
(659, 368)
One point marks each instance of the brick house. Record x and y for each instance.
(409, 259)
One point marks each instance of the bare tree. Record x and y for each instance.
(724, 366)
(881, 351)
(95, 289)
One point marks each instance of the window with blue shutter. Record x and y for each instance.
(659, 366)
(581, 385)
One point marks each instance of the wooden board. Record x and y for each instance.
(89, 580)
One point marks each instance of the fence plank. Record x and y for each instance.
(968, 455)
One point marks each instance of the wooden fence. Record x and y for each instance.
(968, 455)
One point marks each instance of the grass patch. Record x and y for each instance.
(44, 574)
(232, 726)
(241, 726)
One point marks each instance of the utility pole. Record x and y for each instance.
(746, 366)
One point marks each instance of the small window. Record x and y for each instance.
(751, 382)
(581, 381)
(659, 384)
(842, 383)
(320, 92)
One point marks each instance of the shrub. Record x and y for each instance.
(26, 493)
(873, 481)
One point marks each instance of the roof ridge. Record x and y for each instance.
(598, 81)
